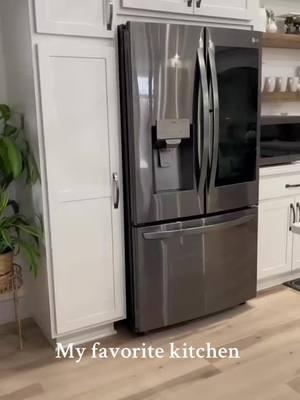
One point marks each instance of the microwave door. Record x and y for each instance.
(233, 62)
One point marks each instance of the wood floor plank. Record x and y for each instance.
(266, 331)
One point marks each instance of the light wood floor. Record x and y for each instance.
(266, 330)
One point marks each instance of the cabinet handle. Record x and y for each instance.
(288, 186)
(110, 13)
(298, 211)
(292, 207)
(198, 3)
(117, 190)
(189, 3)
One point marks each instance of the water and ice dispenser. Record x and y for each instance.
(173, 155)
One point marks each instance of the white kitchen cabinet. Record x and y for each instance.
(81, 136)
(279, 208)
(231, 9)
(234, 9)
(274, 237)
(171, 6)
(75, 17)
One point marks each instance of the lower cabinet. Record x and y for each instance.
(279, 210)
(275, 239)
(82, 155)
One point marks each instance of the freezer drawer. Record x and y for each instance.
(230, 261)
(185, 270)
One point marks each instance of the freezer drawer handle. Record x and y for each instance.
(289, 186)
(198, 230)
(117, 190)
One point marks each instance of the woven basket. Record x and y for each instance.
(6, 263)
(11, 280)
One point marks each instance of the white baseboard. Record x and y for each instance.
(85, 336)
(272, 281)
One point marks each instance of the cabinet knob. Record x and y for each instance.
(198, 3)
(189, 3)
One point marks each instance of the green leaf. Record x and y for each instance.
(9, 130)
(14, 156)
(5, 112)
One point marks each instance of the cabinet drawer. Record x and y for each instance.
(94, 18)
(279, 186)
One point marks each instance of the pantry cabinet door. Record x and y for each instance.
(235, 9)
(171, 6)
(274, 237)
(82, 152)
(75, 17)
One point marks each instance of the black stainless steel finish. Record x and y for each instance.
(180, 269)
(203, 116)
(162, 59)
(190, 130)
(234, 74)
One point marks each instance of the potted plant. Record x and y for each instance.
(17, 233)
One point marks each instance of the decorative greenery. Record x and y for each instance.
(16, 158)
(17, 233)
(270, 15)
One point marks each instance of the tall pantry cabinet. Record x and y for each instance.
(62, 68)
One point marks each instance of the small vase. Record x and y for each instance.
(272, 27)
(6, 263)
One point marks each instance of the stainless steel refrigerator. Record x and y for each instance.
(190, 131)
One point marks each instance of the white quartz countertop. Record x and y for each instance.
(280, 169)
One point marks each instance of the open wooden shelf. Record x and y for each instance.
(280, 119)
(278, 97)
(281, 40)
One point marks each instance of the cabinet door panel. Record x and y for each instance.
(274, 237)
(79, 107)
(73, 17)
(171, 6)
(236, 9)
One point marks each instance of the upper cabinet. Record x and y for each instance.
(175, 6)
(234, 9)
(93, 18)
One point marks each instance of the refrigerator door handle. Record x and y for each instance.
(203, 115)
(216, 111)
(198, 230)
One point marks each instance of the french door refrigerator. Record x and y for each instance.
(190, 131)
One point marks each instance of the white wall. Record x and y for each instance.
(3, 93)
(6, 301)
(282, 6)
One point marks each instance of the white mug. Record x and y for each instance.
(280, 84)
(292, 83)
(269, 84)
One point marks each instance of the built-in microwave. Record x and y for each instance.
(280, 140)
